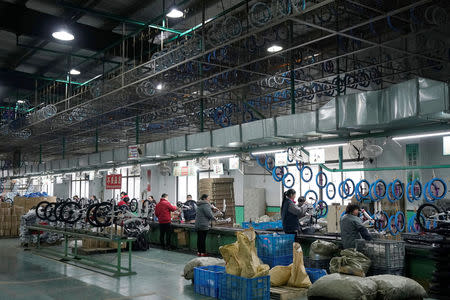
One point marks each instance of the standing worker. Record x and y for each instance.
(291, 213)
(203, 219)
(162, 212)
(352, 227)
(189, 209)
(124, 199)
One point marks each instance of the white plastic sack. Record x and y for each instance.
(200, 262)
(393, 287)
(343, 287)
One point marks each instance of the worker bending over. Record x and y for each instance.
(352, 227)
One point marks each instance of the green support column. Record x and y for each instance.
(202, 41)
(291, 66)
(340, 157)
(63, 147)
(96, 140)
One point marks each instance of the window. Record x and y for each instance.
(79, 186)
(131, 183)
(186, 185)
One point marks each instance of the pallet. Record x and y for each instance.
(90, 251)
(286, 293)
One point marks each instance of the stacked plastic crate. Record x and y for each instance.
(387, 256)
(275, 249)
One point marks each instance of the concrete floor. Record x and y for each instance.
(24, 275)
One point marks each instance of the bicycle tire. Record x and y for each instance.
(374, 187)
(67, 218)
(50, 212)
(90, 215)
(40, 211)
(312, 192)
(394, 194)
(400, 213)
(275, 175)
(134, 205)
(302, 173)
(443, 184)
(269, 163)
(358, 187)
(288, 186)
(423, 221)
(321, 186)
(329, 184)
(393, 225)
(353, 187)
(101, 214)
(322, 206)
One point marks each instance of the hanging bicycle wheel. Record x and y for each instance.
(362, 189)
(381, 220)
(288, 180)
(416, 189)
(349, 187)
(134, 205)
(398, 189)
(308, 195)
(290, 154)
(90, 214)
(102, 214)
(70, 212)
(321, 180)
(428, 215)
(306, 174)
(278, 173)
(330, 190)
(400, 221)
(393, 230)
(321, 208)
(145, 206)
(436, 189)
(379, 189)
(269, 163)
(40, 210)
(389, 195)
(299, 165)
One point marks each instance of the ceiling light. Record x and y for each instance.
(325, 146)
(175, 13)
(63, 35)
(418, 136)
(74, 72)
(148, 165)
(274, 48)
(159, 86)
(268, 151)
(109, 161)
(20, 101)
(219, 157)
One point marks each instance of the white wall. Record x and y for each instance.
(62, 190)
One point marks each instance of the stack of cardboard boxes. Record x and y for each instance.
(219, 189)
(29, 202)
(99, 244)
(10, 219)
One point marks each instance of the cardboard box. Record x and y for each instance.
(7, 218)
(183, 238)
(334, 218)
(5, 205)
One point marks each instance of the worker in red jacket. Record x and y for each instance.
(162, 212)
(124, 199)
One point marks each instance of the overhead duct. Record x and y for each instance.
(106, 157)
(297, 126)
(175, 145)
(227, 137)
(261, 131)
(155, 149)
(201, 141)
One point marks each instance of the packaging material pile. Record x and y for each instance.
(96, 244)
(221, 194)
(350, 262)
(323, 249)
(27, 237)
(188, 273)
(30, 202)
(241, 258)
(293, 275)
(348, 287)
(10, 219)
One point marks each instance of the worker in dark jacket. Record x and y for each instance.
(203, 220)
(352, 227)
(291, 213)
(189, 209)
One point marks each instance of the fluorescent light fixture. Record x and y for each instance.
(148, 165)
(20, 101)
(274, 48)
(418, 136)
(159, 86)
(175, 13)
(110, 162)
(268, 151)
(74, 72)
(63, 35)
(325, 146)
(104, 170)
(219, 157)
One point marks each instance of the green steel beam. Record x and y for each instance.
(395, 168)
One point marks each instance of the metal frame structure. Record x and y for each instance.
(223, 75)
(116, 270)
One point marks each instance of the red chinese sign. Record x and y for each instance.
(114, 182)
(184, 171)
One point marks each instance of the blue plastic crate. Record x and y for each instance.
(273, 261)
(315, 274)
(206, 280)
(274, 244)
(263, 225)
(239, 288)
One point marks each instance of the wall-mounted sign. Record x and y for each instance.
(234, 163)
(218, 169)
(114, 182)
(184, 171)
(317, 156)
(281, 159)
(133, 152)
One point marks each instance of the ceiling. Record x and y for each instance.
(331, 47)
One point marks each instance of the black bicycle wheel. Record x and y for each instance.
(427, 215)
(102, 214)
(40, 210)
(50, 212)
(70, 212)
(134, 205)
(145, 206)
(90, 215)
